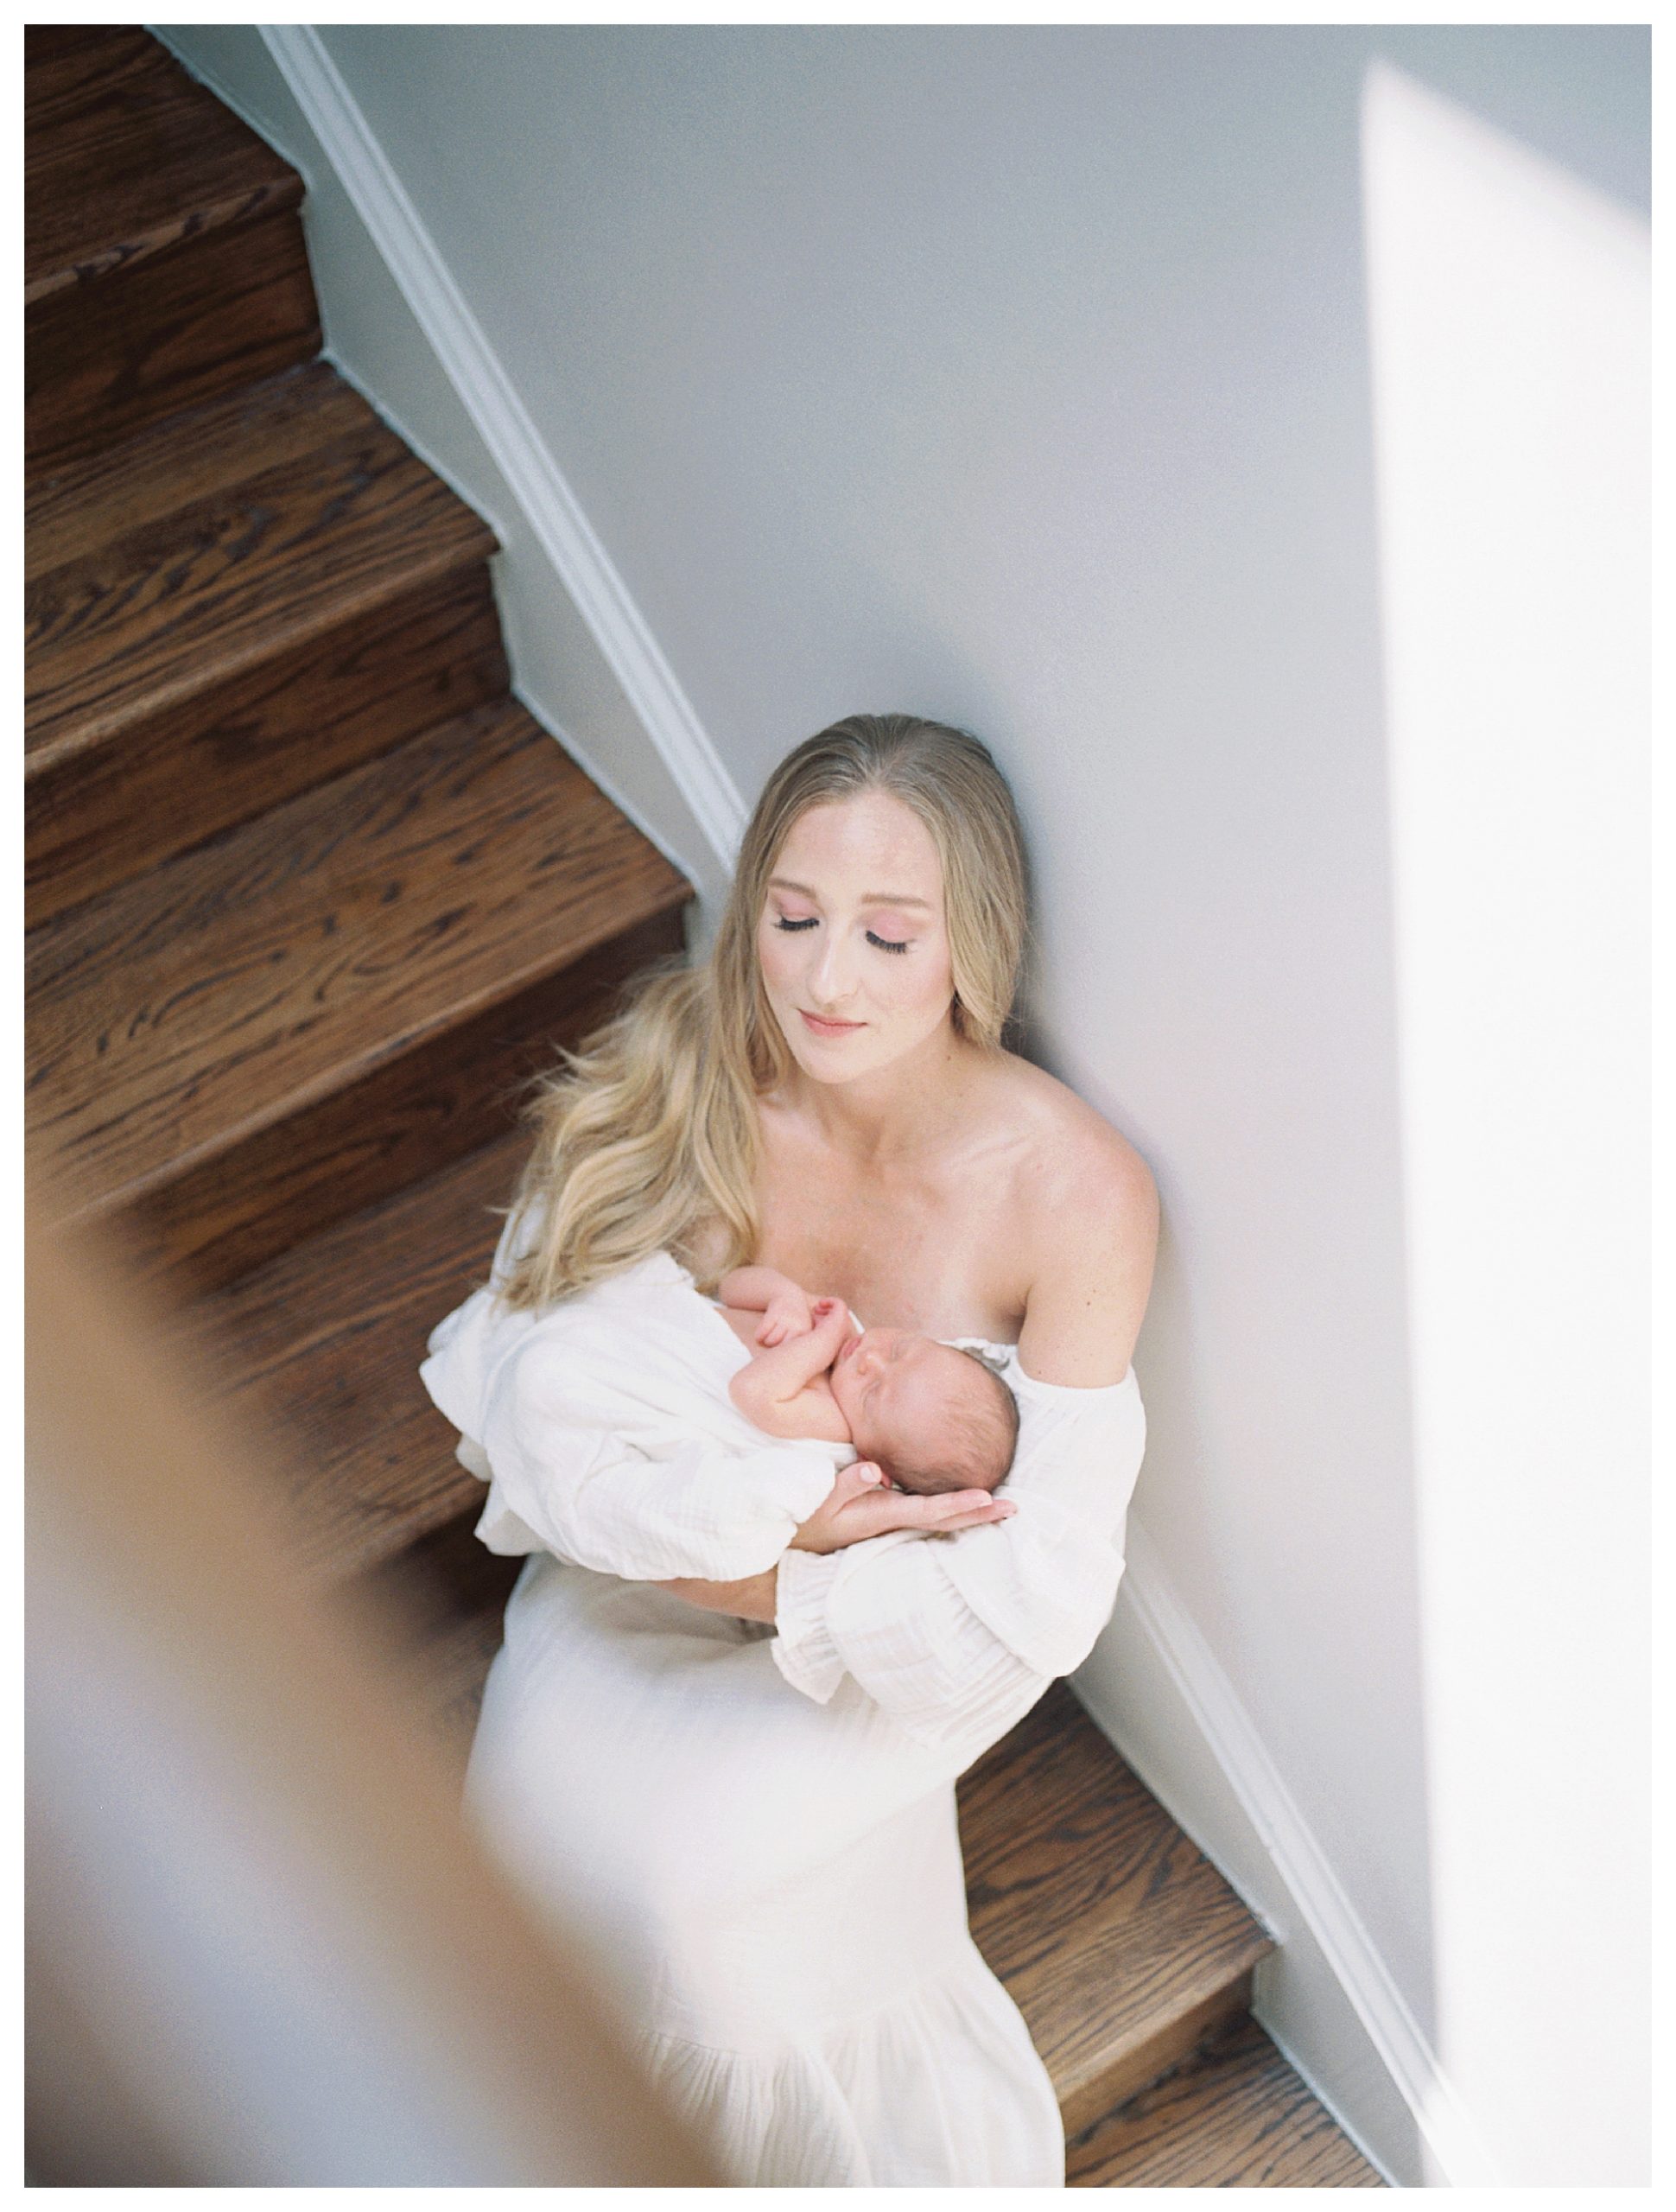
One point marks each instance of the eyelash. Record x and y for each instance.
(883, 944)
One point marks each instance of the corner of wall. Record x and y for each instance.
(394, 321)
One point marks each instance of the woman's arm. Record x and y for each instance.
(956, 1640)
(859, 1508)
(1090, 1243)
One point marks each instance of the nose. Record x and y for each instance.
(867, 1358)
(832, 978)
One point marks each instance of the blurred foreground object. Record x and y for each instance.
(263, 1949)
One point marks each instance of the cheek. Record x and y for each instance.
(777, 953)
(924, 988)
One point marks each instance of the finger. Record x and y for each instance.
(864, 1474)
(967, 1521)
(948, 1505)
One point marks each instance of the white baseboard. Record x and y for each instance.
(549, 507)
(1314, 1899)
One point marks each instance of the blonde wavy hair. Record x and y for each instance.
(648, 1136)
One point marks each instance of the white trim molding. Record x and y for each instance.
(1401, 2043)
(501, 419)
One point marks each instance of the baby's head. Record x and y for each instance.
(933, 1417)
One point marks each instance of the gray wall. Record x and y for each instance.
(1019, 377)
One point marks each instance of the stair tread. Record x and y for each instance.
(1102, 1919)
(81, 505)
(1234, 2115)
(293, 543)
(322, 1347)
(125, 155)
(240, 983)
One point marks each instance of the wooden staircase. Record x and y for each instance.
(310, 897)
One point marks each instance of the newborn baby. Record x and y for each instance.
(933, 1417)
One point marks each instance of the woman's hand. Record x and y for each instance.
(862, 1504)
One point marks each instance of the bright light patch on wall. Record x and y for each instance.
(1508, 315)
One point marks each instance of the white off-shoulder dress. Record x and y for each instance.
(754, 1828)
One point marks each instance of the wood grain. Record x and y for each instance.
(1112, 1933)
(125, 156)
(196, 319)
(187, 1015)
(77, 508)
(456, 1088)
(97, 814)
(163, 615)
(1234, 2115)
(322, 1347)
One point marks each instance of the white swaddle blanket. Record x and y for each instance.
(624, 1387)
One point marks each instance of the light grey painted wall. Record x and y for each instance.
(371, 334)
(1019, 377)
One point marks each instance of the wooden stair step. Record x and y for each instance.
(164, 257)
(1118, 1940)
(279, 549)
(125, 156)
(313, 595)
(323, 1346)
(80, 507)
(1233, 2115)
(440, 1608)
(289, 1023)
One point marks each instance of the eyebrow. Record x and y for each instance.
(869, 899)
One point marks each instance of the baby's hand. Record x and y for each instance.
(831, 1320)
(788, 1313)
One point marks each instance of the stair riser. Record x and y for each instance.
(423, 1107)
(104, 358)
(107, 812)
(1137, 2067)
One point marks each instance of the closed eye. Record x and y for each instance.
(885, 944)
(784, 922)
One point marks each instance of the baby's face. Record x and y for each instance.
(895, 1390)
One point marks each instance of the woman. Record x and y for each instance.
(745, 1786)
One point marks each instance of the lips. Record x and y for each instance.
(830, 1028)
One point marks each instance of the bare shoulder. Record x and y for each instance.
(1088, 1222)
